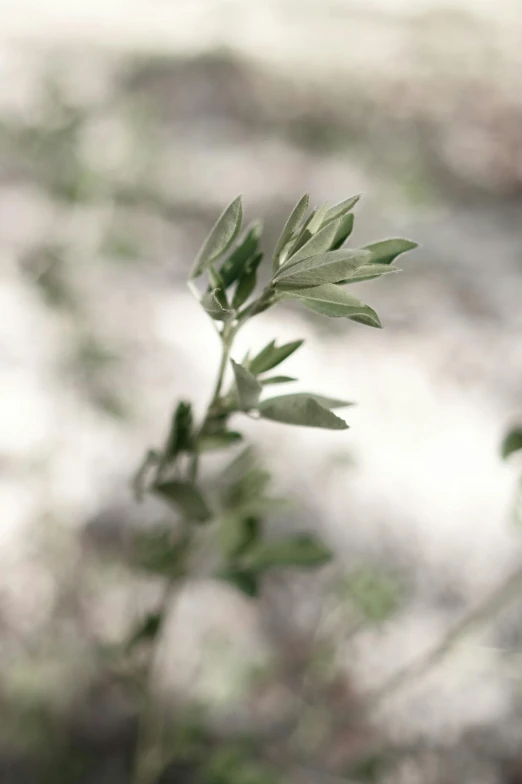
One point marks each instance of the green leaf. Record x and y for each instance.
(237, 533)
(317, 219)
(376, 595)
(248, 387)
(339, 210)
(145, 631)
(318, 243)
(218, 440)
(186, 498)
(222, 235)
(247, 281)
(369, 272)
(343, 232)
(310, 227)
(512, 442)
(234, 265)
(326, 402)
(180, 437)
(334, 301)
(385, 251)
(215, 304)
(291, 225)
(271, 356)
(300, 550)
(160, 551)
(243, 579)
(300, 409)
(243, 484)
(328, 267)
(277, 380)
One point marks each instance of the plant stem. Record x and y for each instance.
(227, 338)
(149, 742)
(149, 752)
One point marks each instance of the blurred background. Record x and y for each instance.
(125, 128)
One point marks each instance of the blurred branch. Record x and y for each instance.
(479, 616)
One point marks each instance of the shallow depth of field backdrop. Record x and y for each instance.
(125, 128)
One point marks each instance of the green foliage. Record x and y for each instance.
(248, 387)
(345, 228)
(300, 410)
(186, 497)
(292, 224)
(272, 356)
(160, 551)
(386, 251)
(180, 437)
(330, 267)
(247, 250)
(375, 594)
(223, 234)
(301, 550)
(336, 302)
(311, 268)
(512, 442)
(277, 380)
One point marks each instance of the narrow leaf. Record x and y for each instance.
(238, 533)
(186, 498)
(215, 304)
(339, 210)
(385, 251)
(291, 225)
(301, 550)
(369, 272)
(512, 442)
(328, 267)
(248, 387)
(222, 235)
(234, 265)
(277, 380)
(247, 281)
(271, 356)
(334, 301)
(244, 580)
(326, 402)
(310, 227)
(300, 409)
(318, 243)
(343, 232)
(159, 551)
(317, 219)
(180, 437)
(219, 440)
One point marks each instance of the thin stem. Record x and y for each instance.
(227, 338)
(148, 754)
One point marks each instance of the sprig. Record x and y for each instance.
(311, 267)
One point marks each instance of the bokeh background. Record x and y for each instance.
(125, 128)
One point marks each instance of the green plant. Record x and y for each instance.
(311, 267)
